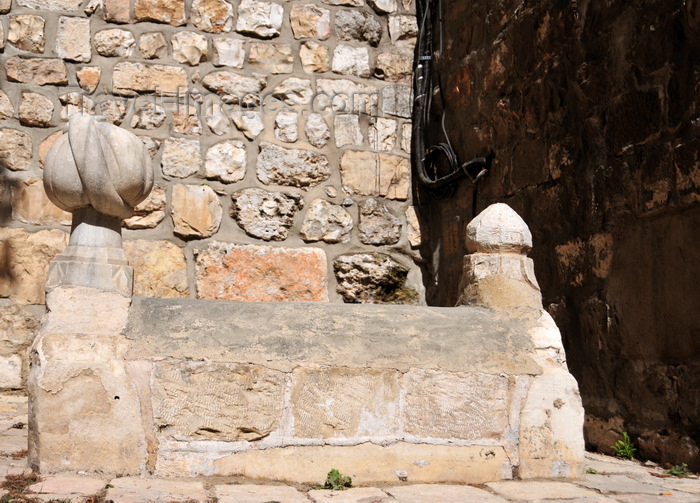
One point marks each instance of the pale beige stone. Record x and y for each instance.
(89, 78)
(498, 229)
(349, 60)
(310, 21)
(39, 71)
(30, 204)
(351, 3)
(248, 493)
(5, 6)
(251, 273)
(354, 24)
(314, 57)
(149, 212)
(346, 129)
(52, 5)
(294, 91)
(413, 227)
(406, 137)
(228, 52)
(424, 493)
(235, 88)
(149, 116)
(397, 100)
(457, 464)
(15, 149)
(265, 215)
(140, 490)
(351, 495)
(73, 39)
(117, 11)
(539, 489)
(196, 211)
(160, 269)
(77, 102)
(216, 118)
(131, 78)
(248, 123)
(26, 32)
(161, 11)
(273, 58)
(7, 111)
(378, 226)
(213, 16)
(393, 67)
(28, 256)
(71, 487)
(35, 110)
(345, 403)
(226, 161)
(448, 405)
(189, 47)
(186, 120)
(152, 45)
(317, 131)
(181, 158)
(245, 404)
(346, 96)
(46, 145)
(261, 19)
(382, 134)
(292, 167)
(369, 173)
(402, 27)
(286, 127)
(114, 43)
(383, 6)
(326, 222)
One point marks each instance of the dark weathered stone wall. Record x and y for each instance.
(591, 110)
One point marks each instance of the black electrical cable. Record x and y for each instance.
(426, 160)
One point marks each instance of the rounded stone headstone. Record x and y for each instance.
(498, 229)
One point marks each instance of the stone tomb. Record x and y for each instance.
(288, 391)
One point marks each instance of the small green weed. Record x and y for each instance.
(678, 470)
(337, 481)
(592, 471)
(624, 448)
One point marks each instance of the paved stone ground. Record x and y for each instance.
(615, 481)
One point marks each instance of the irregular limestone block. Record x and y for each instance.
(73, 39)
(293, 167)
(252, 273)
(418, 493)
(348, 96)
(10, 371)
(317, 131)
(310, 21)
(26, 32)
(286, 127)
(327, 222)
(213, 16)
(7, 111)
(39, 71)
(18, 328)
(30, 204)
(350, 3)
(127, 489)
(348, 60)
(346, 403)
(347, 130)
(114, 43)
(130, 78)
(393, 67)
(314, 57)
(28, 256)
(265, 215)
(450, 405)
(373, 278)
(228, 52)
(406, 129)
(52, 5)
(186, 120)
(35, 110)
(89, 78)
(161, 11)
(117, 11)
(189, 47)
(234, 88)
(149, 212)
(378, 226)
(413, 227)
(216, 119)
(181, 158)
(294, 91)
(196, 211)
(15, 149)
(397, 100)
(369, 173)
(261, 19)
(402, 27)
(148, 116)
(382, 134)
(152, 45)
(226, 161)
(249, 493)
(358, 25)
(160, 269)
(383, 6)
(353, 494)
(226, 402)
(273, 58)
(248, 123)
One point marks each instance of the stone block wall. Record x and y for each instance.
(279, 133)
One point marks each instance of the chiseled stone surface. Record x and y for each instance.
(186, 120)
(160, 269)
(189, 47)
(228, 52)
(7, 111)
(117, 11)
(248, 123)
(213, 16)
(235, 88)
(314, 57)
(130, 78)
(286, 127)
(372, 278)
(89, 77)
(427, 493)
(139, 490)
(114, 43)
(181, 158)
(253, 273)
(382, 134)
(226, 161)
(226, 402)
(539, 490)
(51, 5)
(341, 402)
(369, 173)
(39, 71)
(292, 167)
(161, 11)
(358, 25)
(294, 91)
(327, 222)
(70, 487)
(349, 60)
(26, 32)
(351, 495)
(393, 67)
(249, 493)
(35, 110)
(347, 130)
(149, 212)
(31, 205)
(265, 215)
(310, 21)
(73, 39)
(196, 211)
(15, 149)
(317, 131)
(148, 116)
(413, 227)
(273, 58)
(31, 253)
(378, 226)
(262, 19)
(152, 45)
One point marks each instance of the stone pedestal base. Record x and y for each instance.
(94, 267)
(289, 391)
